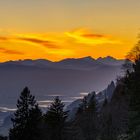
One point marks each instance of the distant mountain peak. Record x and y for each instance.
(83, 62)
(107, 58)
(81, 58)
(87, 58)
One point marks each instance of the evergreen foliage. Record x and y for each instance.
(26, 119)
(3, 138)
(55, 120)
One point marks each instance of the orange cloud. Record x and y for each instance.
(92, 35)
(55, 46)
(54, 41)
(85, 37)
(3, 38)
(48, 44)
(8, 51)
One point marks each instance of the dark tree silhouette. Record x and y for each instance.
(55, 120)
(3, 138)
(134, 108)
(85, 123)
(26, 119)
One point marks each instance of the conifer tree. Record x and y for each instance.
(92, 104)
(133, 89)
(91, 115)
(86, 118)
(55, 120)
(26, 119)
(3, 138)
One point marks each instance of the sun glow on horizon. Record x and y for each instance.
(59, 29)
(56, 46)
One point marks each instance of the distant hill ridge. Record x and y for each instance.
(69, 63)
(68, 77)
(87, 58)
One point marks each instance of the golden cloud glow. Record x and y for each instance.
(54, 46)
(86, 37)
(63, 52)
(8, 51)
(4, 38)
(45, 43)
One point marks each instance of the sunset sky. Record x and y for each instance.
(58, 29)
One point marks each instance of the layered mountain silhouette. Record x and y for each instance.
(68, 77)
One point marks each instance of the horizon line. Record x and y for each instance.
(63, 59)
